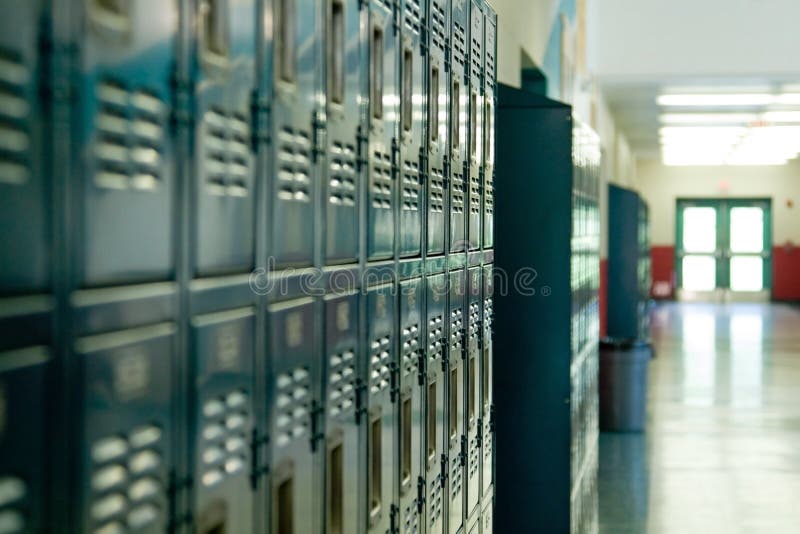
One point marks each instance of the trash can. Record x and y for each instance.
(623, 384)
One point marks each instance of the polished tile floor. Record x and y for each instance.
(722, 450)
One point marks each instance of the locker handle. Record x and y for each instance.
(336, 52)
(376, 73)
(213, 33)
(433, 103)
(408, 89)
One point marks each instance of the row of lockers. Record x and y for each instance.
(389, 431)
(348, 129)
(245, 274)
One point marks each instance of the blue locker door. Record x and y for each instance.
(345, 456)
(295, 86)
(455, 399)
(126, 437)
(436, 441)
(222, 420)
(411, 410)
(459, 115)
(343, 177)
(487, 379)
(472, 392)
(476, 135)
(381, 350)
(223, 165)
(413, 115)
(382, 121)
(293, 379)
(438, 131)
(24, 211)
(22, 439)
(489, 107)
(125, 168)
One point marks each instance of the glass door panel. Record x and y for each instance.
(699, 230)
(698, 247)
(746, 237)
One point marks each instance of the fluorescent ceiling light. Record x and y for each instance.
(708, 118)
(710, 100)
(782, 116)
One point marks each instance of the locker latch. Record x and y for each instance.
(175, 492)
(361, 142)
(256, 470)
(259, 109)
(361, 406)
(421, 371)
(462, 457)
(316, 415)
(393, 515)
(318, 127)
(394, 390)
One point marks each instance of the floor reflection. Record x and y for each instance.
(722, 450)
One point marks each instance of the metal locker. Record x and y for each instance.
(382, 123)
(343, 445)
(438, 83)
(125, 387)
(24, 210)
(489, 107)
(413, 115)
(475, 110)
(455, 404)
(410, 428)
(294, 85)
(487, 518)
(223, 166)
(343, 176)
(436, 442)
(487, 379)
(223, 418)
(124, 176)
(22, 439)
(292, 426)
(381, 428)
(472, 374)
(459, 112)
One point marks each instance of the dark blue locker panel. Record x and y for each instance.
(456, 302)
(381, 351)
(436, 442)
(413, 118)
(459, 113)
(344, 60)
(127, 431)
(411, 410)
(295, 86)
(472, 392)
(223, 165)
(475, 109)
(24, 210)
(489, 110)
(487, 380)
(223, 419)
(22, 439)
(438, 124)
(125, 171)
(293, 364)
(383, 124)
(344, 452)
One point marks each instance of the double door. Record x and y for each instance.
(724, 248)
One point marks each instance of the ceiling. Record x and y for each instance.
(636, 113)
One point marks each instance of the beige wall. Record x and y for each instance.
(662, 185)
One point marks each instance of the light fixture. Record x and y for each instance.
(713, 100)
(782, 116)
(708, 118)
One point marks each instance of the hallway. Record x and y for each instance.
(722, 449)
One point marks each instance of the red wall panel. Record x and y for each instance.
(786, 273)
(663, 268)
